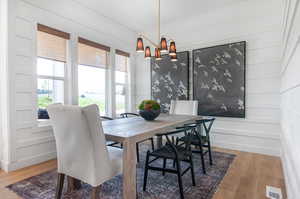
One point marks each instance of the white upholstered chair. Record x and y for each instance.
(81, 147)
(184, 107)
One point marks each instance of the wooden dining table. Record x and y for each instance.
(130, 131)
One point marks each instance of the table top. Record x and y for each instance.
(137, 128)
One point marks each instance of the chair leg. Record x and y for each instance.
(60, 185)
(137, 152)
(179, 179)
(192, 171)
(96, 192)
(202, 159)
(209, 153)
(146, 172)
(152, 143)
(164, 166)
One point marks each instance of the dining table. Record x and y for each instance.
(130, 131)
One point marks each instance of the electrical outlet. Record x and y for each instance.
(273, 192)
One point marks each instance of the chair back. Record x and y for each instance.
(80, 143)
(184, 107)
(126, 115)
(207, 124)
(178, 133)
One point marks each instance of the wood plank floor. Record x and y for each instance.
(246, 178)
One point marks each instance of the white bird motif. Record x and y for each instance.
(241, 104)
(197, 60)
(156, 66)
(229, 80)
(237, 62)
(175, 66)
(210, 96)
(224, 107)
(226, 55)
(204, 86)
(238, 52)
(214, 69)
(205, 73)
(227, 73)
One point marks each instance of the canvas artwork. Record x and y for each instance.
(219, 80)
(170, 80)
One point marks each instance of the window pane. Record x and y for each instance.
(49, 92)
(120, 77)
(121, 63)
(50, 67)
(120, 98)
(91, 86)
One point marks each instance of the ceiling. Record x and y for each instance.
(141, 15)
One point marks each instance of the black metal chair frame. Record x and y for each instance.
(126, 115)
(176, 152)
(201, 143)
(113, 144)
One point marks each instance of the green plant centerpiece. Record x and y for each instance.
(149, 109)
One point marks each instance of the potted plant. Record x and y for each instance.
(149, 109)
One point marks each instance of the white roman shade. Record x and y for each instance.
(52, 43)
(92, 54)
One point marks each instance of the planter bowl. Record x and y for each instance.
(149, 115)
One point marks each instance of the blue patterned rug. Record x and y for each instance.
(159, 187)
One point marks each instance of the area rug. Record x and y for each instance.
(159, 187)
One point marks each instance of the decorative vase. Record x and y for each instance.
(149, 115)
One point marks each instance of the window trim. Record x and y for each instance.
(126, 84)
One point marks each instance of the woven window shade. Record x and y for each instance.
(121, 63)
(92, 54)
(52, 47)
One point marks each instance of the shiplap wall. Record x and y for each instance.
(290, 98)
(29, 143)
(259, 23)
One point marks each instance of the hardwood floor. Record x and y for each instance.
(246, 178)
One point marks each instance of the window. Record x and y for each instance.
(51, 61)
(92, 74)
(121, 81)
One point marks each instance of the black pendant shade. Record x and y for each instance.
(163, 45)
(147, 52)
(172, 48)
(139, 45)
(157, 54)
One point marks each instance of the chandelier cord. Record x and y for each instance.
(158, 21)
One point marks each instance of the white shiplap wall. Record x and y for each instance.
(290, 98)
(259, 23)
(27, 142)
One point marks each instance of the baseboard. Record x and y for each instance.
(248, 148)
(8, 167)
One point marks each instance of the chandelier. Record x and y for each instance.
(161, 46)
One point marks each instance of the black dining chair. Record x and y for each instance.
(127, 115)
(199, 137)
(111, 143)
(170, 151)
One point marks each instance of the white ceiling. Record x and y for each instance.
(140, 15)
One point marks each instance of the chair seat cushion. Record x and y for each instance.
(193, 139)
(116, 157)
(167, 152)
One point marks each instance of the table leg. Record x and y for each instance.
(129, 170)
(73, 184)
